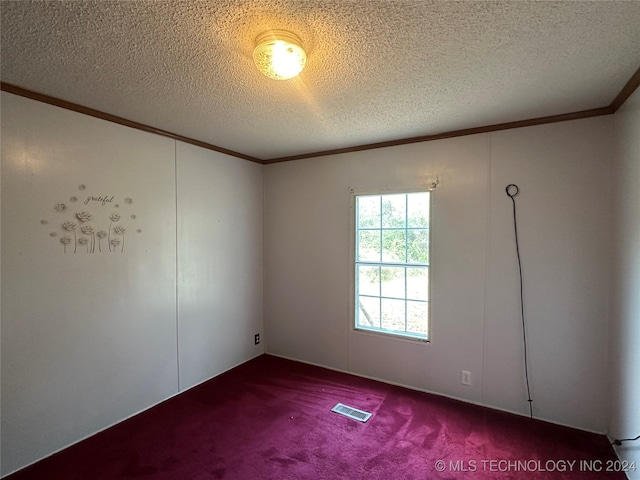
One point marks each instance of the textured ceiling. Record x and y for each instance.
(376, 70)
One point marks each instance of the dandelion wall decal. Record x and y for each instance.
(71, 227)
(114, 217)
(119, 230)
(101, 234)
(88, 230)
(84, 241)
(114, 243)
(65, 241)
(83, 216)
(88, 226)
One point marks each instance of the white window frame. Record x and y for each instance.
(399, 335)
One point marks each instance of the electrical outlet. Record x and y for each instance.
(466, 377)
(256, 339)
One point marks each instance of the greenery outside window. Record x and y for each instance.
(392, 263)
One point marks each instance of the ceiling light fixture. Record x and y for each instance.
(279, 55)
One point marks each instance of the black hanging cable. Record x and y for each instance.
(619, 441)
(512, 192)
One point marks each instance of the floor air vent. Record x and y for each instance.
(351, 412)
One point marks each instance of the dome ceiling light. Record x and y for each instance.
(278, 54)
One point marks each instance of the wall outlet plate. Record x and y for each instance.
(256, 339)
(466, 377)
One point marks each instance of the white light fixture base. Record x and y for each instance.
(279, 55)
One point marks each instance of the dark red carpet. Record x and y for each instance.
(270, 419)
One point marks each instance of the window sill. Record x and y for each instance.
(403, 337)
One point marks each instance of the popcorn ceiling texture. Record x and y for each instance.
(376, 70)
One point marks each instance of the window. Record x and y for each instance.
(392, 264)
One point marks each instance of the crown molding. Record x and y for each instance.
(455, 133)
(23, 92)
(627, 91)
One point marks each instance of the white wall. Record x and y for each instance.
(563, 172)
(89, 339)
(220, 262)
(624, 345)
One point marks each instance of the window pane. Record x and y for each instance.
(393, 314)
(394, 211)
(392, 258)
(369, 212)
(368, 312)
(369, 246)
(417, 317)
(392, 282)
(394, 246)
(418, 283)
(418, 210)
(369, 281)
(418, 246)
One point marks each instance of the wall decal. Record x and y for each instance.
(83, 216)
(119, 230)
(66, 240)
(114, 243)
(86, 227)
(71, 227)
(88, 230)
(84, 241)
(101, 234)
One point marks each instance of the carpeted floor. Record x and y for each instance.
(270, 419)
